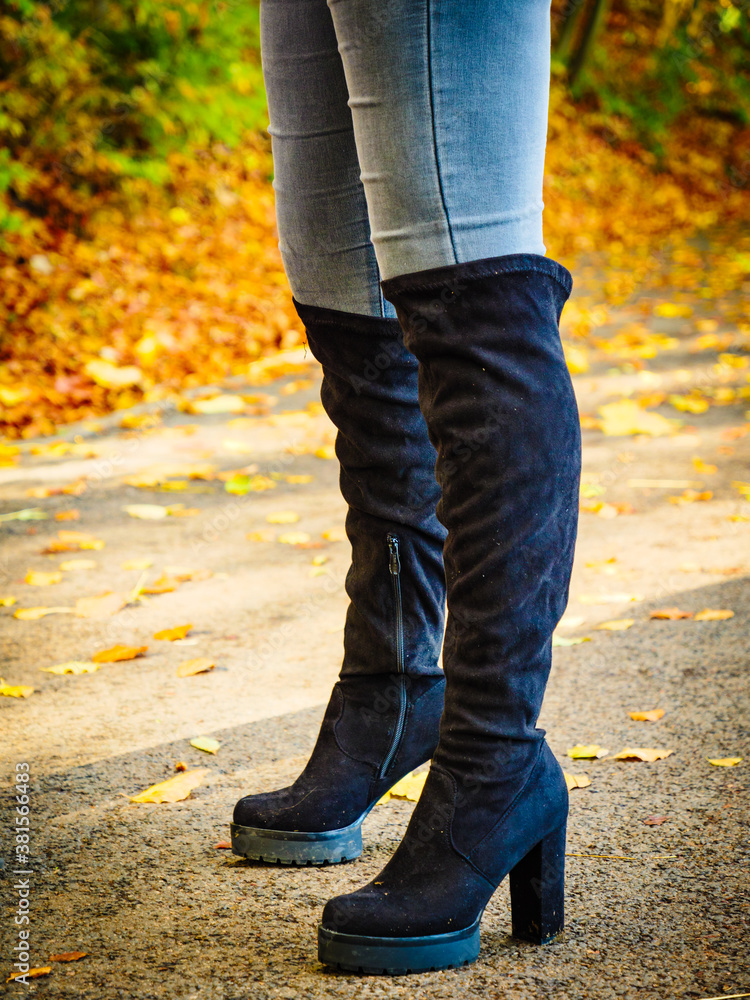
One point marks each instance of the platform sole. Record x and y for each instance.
(285, 847)
(383, 956)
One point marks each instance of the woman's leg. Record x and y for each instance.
(455, 204)
(449, 102)
(383, 716)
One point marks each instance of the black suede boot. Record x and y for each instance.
(500, 409)
(383, 717)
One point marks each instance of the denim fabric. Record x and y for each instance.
(407, 134)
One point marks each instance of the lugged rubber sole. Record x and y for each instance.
(287, 847)
(384, 956)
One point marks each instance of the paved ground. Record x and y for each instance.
(656, 911)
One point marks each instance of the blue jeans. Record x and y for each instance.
(406, 135)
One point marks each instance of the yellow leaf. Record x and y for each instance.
(100, 606)
(142, 563)
(642, 753)
(616, 625)
(170, 634)
(293, 538)
(205, 743)
(626, 417)
(15, 690)
(325, 451)
(335, 535)
(582, 751)
(200, 665)
(714, 615)
(80, 539)
(320, 560)
(173, 789)
(704, 468)
(409, 788)
(282, 517)
(75, 564)
(5, 602)
(111, 376)
(724, 761)
(241, 484)
(576, 358)
(673, 309)
(72, 667)
(576, 780)
(164, 585)
(224, 403)
(119, 652)
(652, 715)
(146, 511)
(41, 579)
(31, 614)
(179, 215)
(32, 973)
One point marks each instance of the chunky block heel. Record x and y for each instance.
(537, 890)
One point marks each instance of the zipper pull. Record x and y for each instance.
(394, 562)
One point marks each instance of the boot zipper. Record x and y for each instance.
(394, 565)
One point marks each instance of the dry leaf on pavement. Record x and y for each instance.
(42, 579)
(409, 787)
(31, 614)
(173, 789)
(15, 690)
(282, 517)
(200, 665)
(670, 614)
(652, 715)
(724, 761)
(654, 820)
(170, 634)
(642, 753)
(714, 615)
(205, 743)
(68, 956)
(576, 780)
(31, 974)
(5, 602)
(72, 667)
(293, 538)
(116, 653)
(625, 416)
(590, 751)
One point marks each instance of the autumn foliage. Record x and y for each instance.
(137, 232)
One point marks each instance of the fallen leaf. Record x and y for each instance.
(31, 974)
(205, 743)
(652, 715)
(714, 615)
(200, 665)
(31, 614)
(293, 538)
(724, 761)
(576, 780)
(654, 820)
(223, 845)
(170, 634)
(224, 403)
(642, 753)
(68, 956)
(691, 496)
(325, 451)
(173, 789)
(101, 606)
(616, 625)
(72, 667)
(410, 788)
(68, 515)
(591, 751)
(180, 766)
(111, 376)
(70, 565)
(80, 539)
(5, 602)
(142, 563)
(627, 417)
(561, 640)
(119, 652)
(147, 511)
(26, 514)
(282, 517)
(42, 579)
(240, 485)
(673, 309)
(670, 614)
(704, 468)
(164, 585)
(180, 510)
(15, 690)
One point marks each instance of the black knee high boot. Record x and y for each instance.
(500, 409)
(383, 716)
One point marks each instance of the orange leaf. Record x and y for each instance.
(170, 634)
(670, 614)
(68, 956)
(31, 974)
(173, 789)
(118, 652)
(652, 715)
